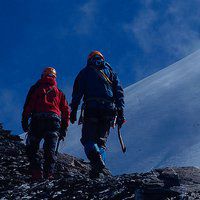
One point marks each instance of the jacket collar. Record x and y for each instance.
(48, 80)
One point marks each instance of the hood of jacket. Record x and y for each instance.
(48, 80)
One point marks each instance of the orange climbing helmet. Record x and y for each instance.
(49, 71)
(94, 53)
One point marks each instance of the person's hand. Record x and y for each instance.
(120, 118)
(25, 124)
(73, 116)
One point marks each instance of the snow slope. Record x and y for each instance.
(163, 113)
(163, 125)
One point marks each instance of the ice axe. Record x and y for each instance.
(57, 146)
(113, 125)
(58, 143)
(121, 140)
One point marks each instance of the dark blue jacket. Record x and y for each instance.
(88, 84)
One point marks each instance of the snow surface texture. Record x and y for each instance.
(163, 122)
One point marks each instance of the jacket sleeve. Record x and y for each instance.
(28, 105)
(65, 111)
(118, 93)
(78, 91)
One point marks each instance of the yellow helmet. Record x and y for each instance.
(49, 71)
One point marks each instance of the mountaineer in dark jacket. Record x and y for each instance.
(49, 113)
(103, 96)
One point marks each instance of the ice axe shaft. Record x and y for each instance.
(58, 143)
(57, 146)
(121, 140)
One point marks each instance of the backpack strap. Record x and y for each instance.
(110, 69)
(103, 76)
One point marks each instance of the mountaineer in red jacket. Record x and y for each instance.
(48, 111)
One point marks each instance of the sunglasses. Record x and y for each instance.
(97, 57)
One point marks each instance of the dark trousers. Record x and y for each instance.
(46, 129)
(96, 126)
(95, 131)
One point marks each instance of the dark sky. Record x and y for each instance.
(137, 37)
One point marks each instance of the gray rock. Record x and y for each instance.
(72, 179)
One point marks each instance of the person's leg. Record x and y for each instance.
(32, 147)
(90, 137)
(103, 133)
(50, 141)
(93, 153)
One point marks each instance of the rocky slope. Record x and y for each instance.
(72, 180)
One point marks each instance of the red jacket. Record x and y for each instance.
(45, 96)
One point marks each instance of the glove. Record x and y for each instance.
(73, 116)
(63, 129)
(120, 118)
(25, 124)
